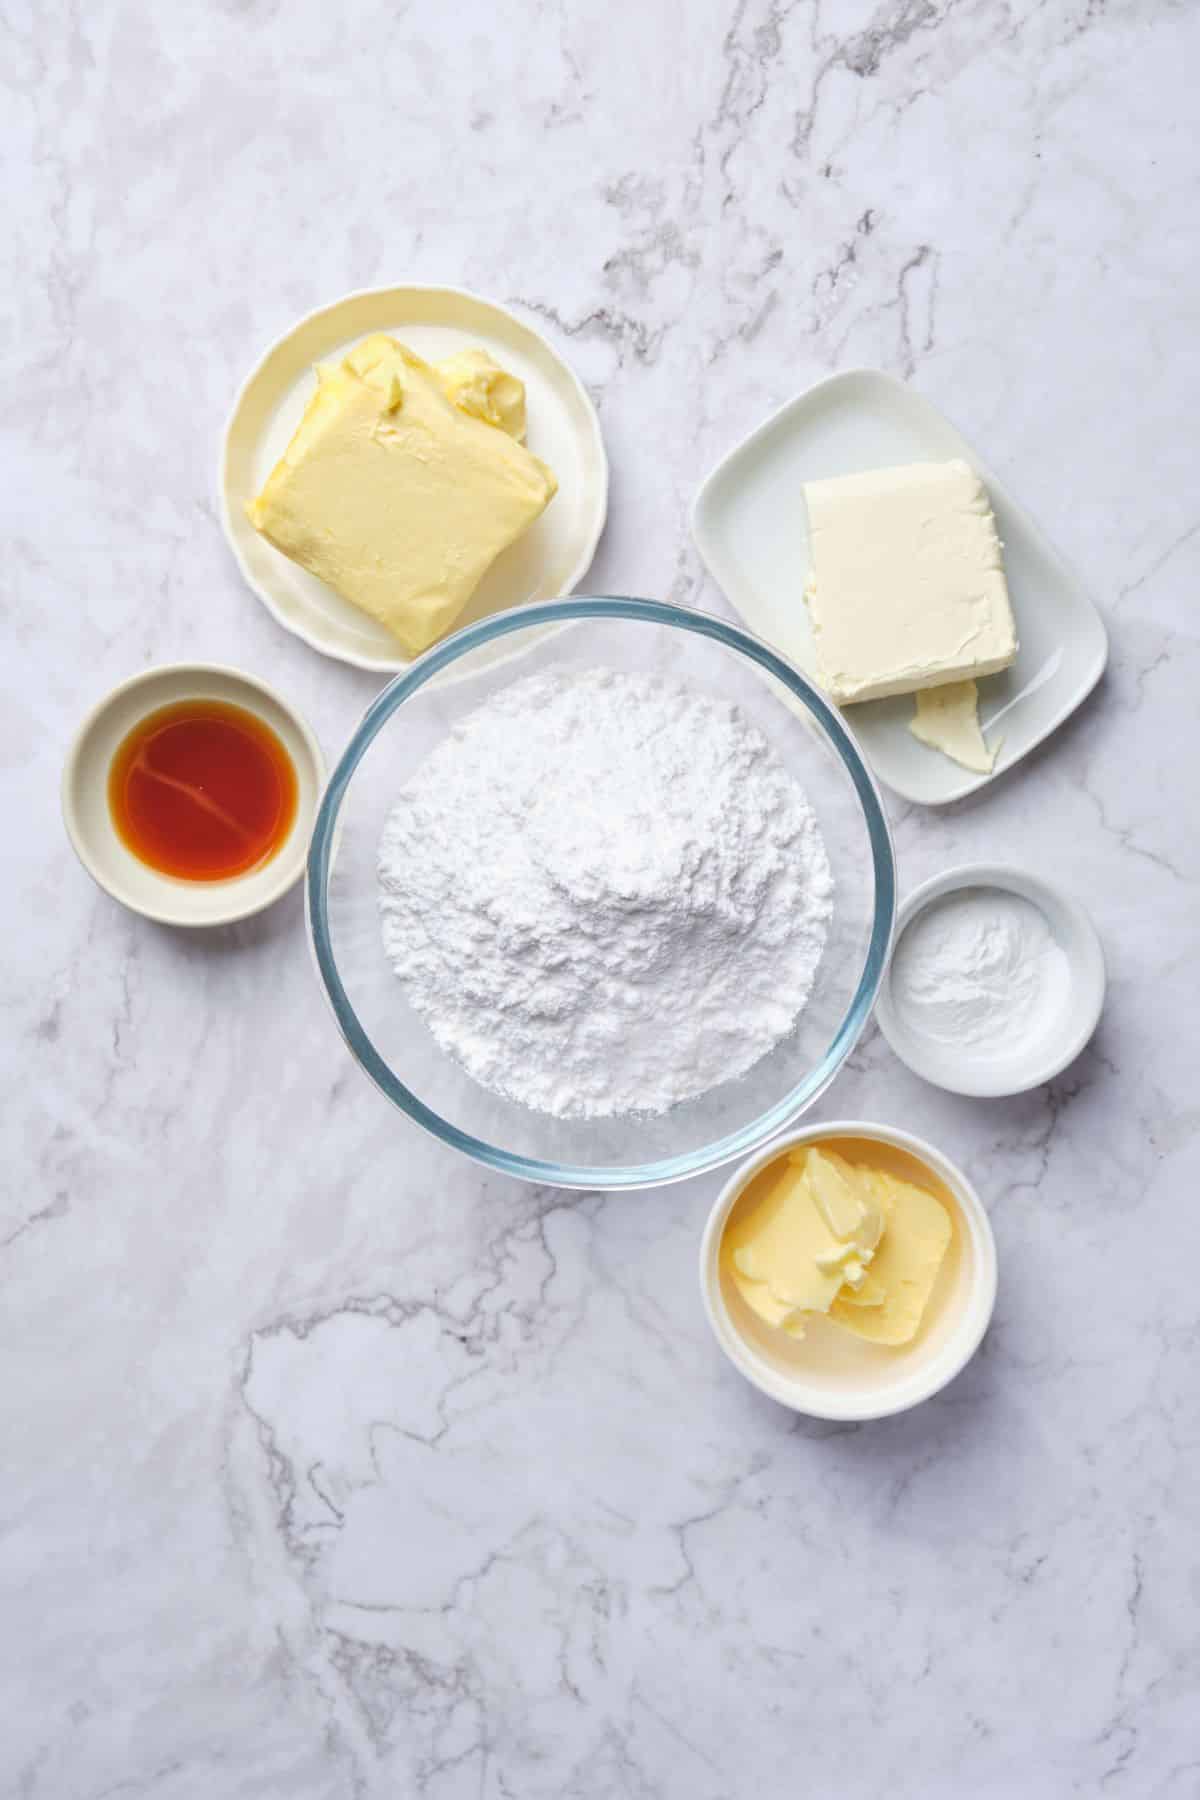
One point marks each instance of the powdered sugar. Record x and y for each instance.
(604, 893)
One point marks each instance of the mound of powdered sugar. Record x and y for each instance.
(604, 893)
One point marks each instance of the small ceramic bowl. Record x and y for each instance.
(829, 1373)
(89, 822)
(989, 1071)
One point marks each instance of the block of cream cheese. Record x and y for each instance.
(821, 1234)
(906, 587)
(397, 497)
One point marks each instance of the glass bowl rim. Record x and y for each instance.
(748, 1138)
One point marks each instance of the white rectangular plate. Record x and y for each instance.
(750, 527)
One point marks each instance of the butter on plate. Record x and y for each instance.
(906, 587)
(822, 1234)
(402, 484)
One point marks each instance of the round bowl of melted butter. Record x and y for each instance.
(849, 1271)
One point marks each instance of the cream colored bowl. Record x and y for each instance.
(94, 836)
(829, 1373)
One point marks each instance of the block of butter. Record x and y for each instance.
(400, 488)
(822, 1234)
(906, 587)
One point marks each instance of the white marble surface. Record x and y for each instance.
(331, 1466)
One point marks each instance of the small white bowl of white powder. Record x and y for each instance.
(996, 981)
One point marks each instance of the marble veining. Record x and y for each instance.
(335, 1466)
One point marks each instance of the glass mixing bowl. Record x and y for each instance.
(391, 1041)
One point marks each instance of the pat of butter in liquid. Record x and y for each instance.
(825, 1235)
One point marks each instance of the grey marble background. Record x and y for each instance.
(332, 1466)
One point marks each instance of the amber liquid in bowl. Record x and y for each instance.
(202, 790)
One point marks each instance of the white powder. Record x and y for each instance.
(979, 969)
(604, 893)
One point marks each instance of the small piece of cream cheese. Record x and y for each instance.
(906, 587)
(947, 719)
